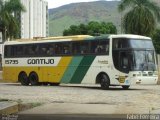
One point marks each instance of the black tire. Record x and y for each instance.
(33, 78)
(54, 84)
(125, 87)
(104, 82)
(44, 83)
(23, 79)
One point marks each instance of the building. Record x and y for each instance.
(34, 22)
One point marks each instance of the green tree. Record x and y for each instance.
(9, 18)
(83, 29)
(92, 28)
(156, 40)
(108, 28)
(141, 17)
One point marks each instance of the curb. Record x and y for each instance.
(7, 108)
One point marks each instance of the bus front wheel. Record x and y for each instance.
(33, 78)
(104, 82)
(23, 79)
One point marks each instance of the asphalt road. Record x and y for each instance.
(138, 98)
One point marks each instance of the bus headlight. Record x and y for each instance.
(138, 81)
(134, 75)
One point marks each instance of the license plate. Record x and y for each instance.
(121, 79)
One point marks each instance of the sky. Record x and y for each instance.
(58, 3)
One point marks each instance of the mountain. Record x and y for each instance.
(73, 14)
(76, 13)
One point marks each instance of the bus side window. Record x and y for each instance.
(19, 50)
(76, 48)
(37, 50)
(102, 47)
(31, 50)
(98, 49)
(107, 48)
(43, 50)
(84, 47)
(50, 50)
(25, 51)
(66, 48)
(8, 51)
(94, 46)
(58, 49)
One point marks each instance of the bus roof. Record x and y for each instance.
(73, 38)
(130, 36)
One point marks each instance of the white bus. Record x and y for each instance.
(108, 60)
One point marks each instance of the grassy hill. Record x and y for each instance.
(76, 13)
(73, 14)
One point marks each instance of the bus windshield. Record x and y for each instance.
(121, 43)
(142, 61)
(133, 55)
(136, 60)
(140, 43)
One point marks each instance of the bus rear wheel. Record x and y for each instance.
(54, 84)
(33, 78)
(23, 79)
(104, 82)
(125, 87)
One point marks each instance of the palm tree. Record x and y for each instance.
(9, 12)
(141, 16)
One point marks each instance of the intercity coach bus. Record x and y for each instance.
(107, 60)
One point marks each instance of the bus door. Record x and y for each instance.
(123, 66)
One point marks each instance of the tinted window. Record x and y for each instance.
(76, 50)
(100, 47)
(131, 43)
(104, 46)
(50, 49)
(94, 48)
(31, 50)
(13, 51)
(97, 47)
(7, 51)
(58, 48)
(141, 43)
(66, 48)
(80, 47)
(84, 48)
(120, 43)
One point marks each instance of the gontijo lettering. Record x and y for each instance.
(40, 61)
